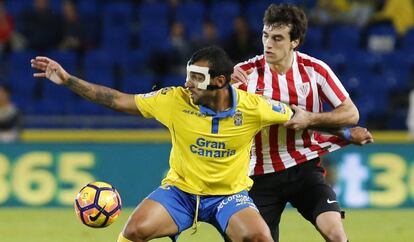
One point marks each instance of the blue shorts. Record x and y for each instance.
(215, 210)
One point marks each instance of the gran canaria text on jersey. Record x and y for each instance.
(209, 148)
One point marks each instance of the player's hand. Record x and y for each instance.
(360, 136)
(50, 69)
(240, 76)
(300, 120)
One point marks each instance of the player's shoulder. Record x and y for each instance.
(247, 99)
(310, 61)
(166, 92)
(255, 62)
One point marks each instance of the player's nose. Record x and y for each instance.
(188, 84)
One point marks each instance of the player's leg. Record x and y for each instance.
(267, 194)
(248, 225)
(166, 212)
(316, 201)
(236, 217)
(329, 225)
(149, 220)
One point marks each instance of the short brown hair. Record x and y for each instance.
(289, 15)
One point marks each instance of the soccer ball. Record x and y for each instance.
(98, 204)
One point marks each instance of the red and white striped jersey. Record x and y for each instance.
(307, 84)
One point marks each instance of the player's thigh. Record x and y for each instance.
(267, 194)
(150, 220)
(315, 200)
(247, 224)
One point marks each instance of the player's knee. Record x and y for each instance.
(336, 234)
(257, 236)
(137, 231)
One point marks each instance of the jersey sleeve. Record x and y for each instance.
(157, 104)
(273, 112)
(332, 89)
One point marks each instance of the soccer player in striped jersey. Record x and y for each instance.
(212, 126)
(285, 159)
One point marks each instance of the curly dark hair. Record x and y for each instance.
(289, 15)
(219, 62)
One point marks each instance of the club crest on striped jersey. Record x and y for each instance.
(304, 89)
(238, 118)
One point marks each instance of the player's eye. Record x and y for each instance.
(197, 77)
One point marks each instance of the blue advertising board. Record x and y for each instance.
(51, 174)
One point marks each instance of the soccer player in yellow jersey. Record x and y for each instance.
(212, 126)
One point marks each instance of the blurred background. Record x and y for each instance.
(137, 46)
(52, 142)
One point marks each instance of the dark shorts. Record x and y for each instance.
(216, 210)
(303, 186)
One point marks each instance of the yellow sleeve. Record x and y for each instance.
(157, 104)
(273, 112)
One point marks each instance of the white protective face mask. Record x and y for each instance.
(199, 70)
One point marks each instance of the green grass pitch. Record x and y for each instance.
(51, 225)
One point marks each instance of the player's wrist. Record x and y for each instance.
(346, 133)
(312, 119)
(66, 78)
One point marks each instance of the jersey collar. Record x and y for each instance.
(225, 114)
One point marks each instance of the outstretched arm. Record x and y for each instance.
(345, 114)
(356, 135)
(102, 95)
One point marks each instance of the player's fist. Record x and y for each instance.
(299, 121)
(240, 76)
(50, 69)
(360, 136)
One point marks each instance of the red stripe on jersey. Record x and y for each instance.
(247, 66)
(293, 95)
(260, 76)
(274, 148)
(258, 138)
(338, 141)
(291, 134)
(275, 86)
(306, 138)
(258, 168)
(274, 129)
(243, 87)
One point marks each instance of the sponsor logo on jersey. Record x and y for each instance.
(198, 114)
(214, 149)
(278, 107)
(238, 118)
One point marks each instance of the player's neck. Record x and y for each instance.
(282, 66)
(221, 101)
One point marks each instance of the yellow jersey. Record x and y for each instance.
(210, 151)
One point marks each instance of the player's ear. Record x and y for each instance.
(220, 80)
(295, 43)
